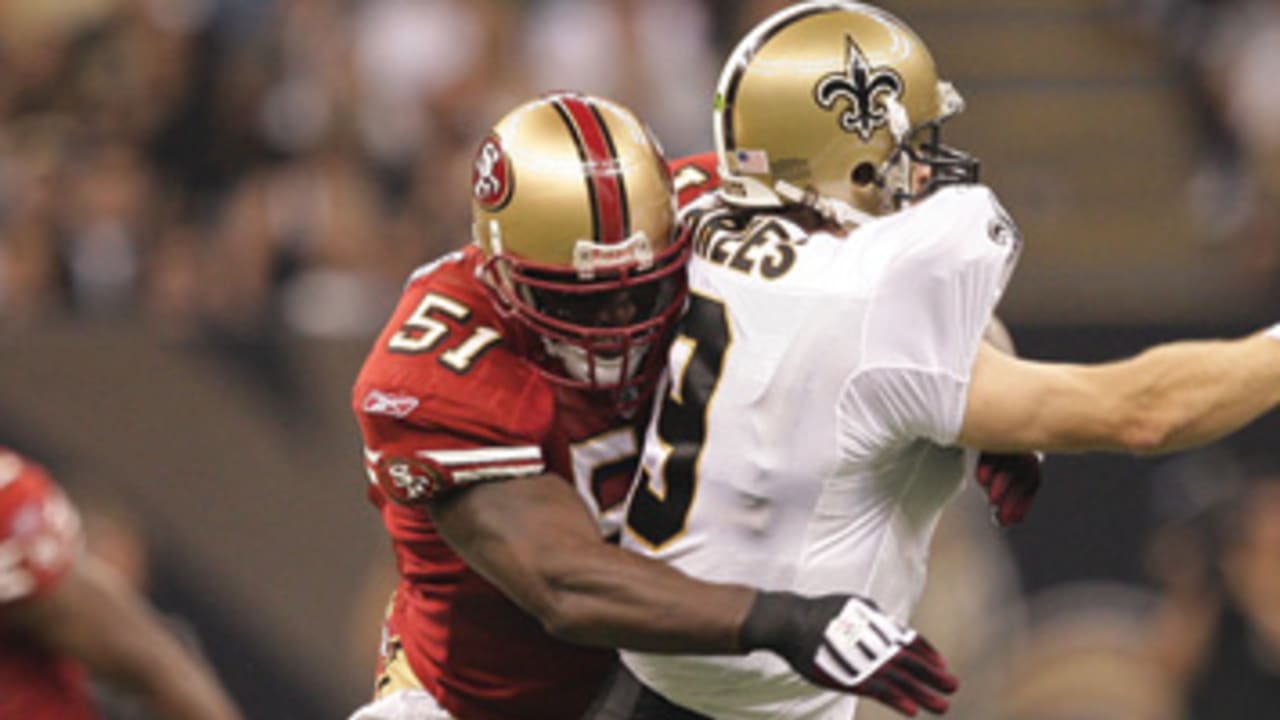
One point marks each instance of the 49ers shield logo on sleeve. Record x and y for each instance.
(409, 481)
(491, 177)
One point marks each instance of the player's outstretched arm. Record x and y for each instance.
(93, 616)
(1168, 398)
(533, 538)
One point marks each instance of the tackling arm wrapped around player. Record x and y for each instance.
(534, 540)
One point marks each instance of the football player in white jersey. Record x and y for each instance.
(829, 388)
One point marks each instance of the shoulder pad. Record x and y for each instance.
(947, 262)
(443, 399)
(694, 176)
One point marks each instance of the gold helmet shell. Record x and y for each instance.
(566, 168)
(574, 210)
(822, 98)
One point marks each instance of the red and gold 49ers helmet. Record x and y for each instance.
(573, 207)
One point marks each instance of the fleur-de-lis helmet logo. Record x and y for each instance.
(864, 87)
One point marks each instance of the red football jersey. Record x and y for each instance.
(39, 541)
(445, 400)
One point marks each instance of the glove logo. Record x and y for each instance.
(867, 90)
(491, 177)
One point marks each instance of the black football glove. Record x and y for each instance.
(1010, 481)
(845, 643)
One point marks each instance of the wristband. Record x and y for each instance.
(1273, 332)
(790, 625)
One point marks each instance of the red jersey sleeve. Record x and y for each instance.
(39, 530)
(694, 176)
(443, 399)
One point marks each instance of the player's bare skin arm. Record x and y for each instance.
(535, 540)
(1168, 398)
(92, 616)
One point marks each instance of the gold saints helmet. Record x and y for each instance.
(573, 208)
(836, 100)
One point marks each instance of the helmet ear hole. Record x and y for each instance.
(864, 174)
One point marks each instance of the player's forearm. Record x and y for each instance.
(1187, 394)
(174, 684)
(612, 598)
(123, 641)
(534, 539)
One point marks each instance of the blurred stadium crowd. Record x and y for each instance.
(238, 168)
(1225, 52)
(237, 163)
(242, 162)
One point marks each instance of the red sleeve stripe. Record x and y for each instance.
(609, 213)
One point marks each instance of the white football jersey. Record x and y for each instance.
(803, 438)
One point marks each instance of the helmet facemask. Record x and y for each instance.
(596, 325)
(922, 146)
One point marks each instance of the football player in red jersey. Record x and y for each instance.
(63, 615)
(500, 409)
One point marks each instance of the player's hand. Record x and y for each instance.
(845, 643)
(1010, 481)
